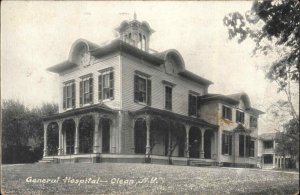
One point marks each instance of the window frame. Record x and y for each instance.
(72, 98)
(82, 93)
(225, 112)
(168, 103)
(111, 82)
(227, 139)
(253, 121)
(240, 116)
(148, 88)
(195, 95)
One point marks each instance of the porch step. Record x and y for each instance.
(201, 163)
(46, 161)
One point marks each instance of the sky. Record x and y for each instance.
(38, 34)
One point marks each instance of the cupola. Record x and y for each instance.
(135, 33)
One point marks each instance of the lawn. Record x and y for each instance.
(126, 178)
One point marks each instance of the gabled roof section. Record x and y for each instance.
(241, 96)
(212, 97)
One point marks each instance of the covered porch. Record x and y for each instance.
(166, 137)
(78, 135)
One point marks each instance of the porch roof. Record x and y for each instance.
(87, 109)
(174, 116)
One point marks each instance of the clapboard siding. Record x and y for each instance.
(179, 94)
(98, 64)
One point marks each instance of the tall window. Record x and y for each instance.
(142, 89)
(240, 116)
(241, 145)
(268, 144)
(106, 85)
(168, 97)
(226, 112)
(192, 104)
(86, 90)
(226, 143)
(69, 95)
(252, 146)
(253, 121)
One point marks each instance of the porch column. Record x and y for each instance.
(45, 140)
(96, 134)
(76, 147)
(148, 134)
(280, 162)
(216, 144)
(277, 162)
(169, 139)
(273, 161)
(187, 149)
(60, 147)
(202, 143)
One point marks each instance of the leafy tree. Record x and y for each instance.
(22, 130)
(274, 26)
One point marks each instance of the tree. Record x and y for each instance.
(22, 131)
(274, 26)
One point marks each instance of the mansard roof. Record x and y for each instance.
(118, 45)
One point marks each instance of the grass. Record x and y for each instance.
(166, 179)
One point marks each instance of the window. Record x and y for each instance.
(192, 104)
(268, 144)
(69, 95)
(142, 89)
(168, 97)
(227, 112)
(106, 85)
(86, 90)
(253, 121)
(268, 159)
(252, 146)
(226, 143)
(241, 145)
(240, 116)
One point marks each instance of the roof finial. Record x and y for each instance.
(134, 16)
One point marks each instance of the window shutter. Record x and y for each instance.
(81, 93)
(91, 89)
(237, 118)
(111, 85)
(223, 111)
(136, 89)
(223, 143)
(64, 97)
(73, 95)
(189, 105)
(100, 87)
(230, 144)
(230, 113)
(149, 92)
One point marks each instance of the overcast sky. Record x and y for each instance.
(36, 35)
